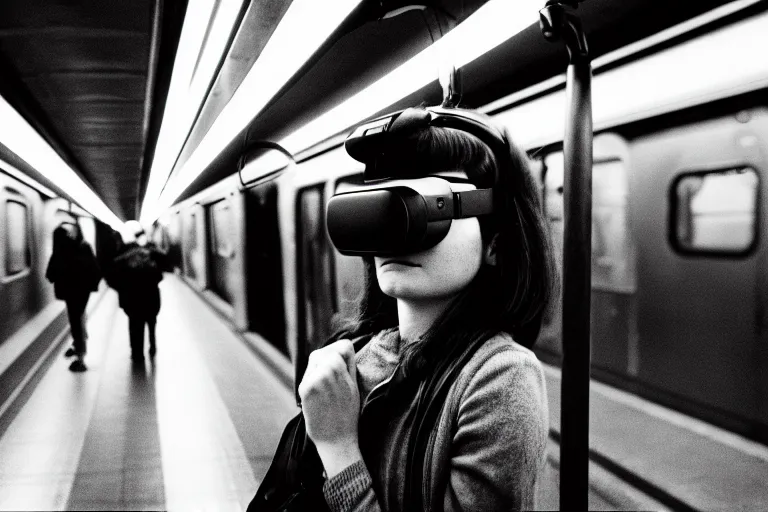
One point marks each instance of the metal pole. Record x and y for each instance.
(557, 22)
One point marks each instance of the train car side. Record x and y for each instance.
(28, 217)
(678, 285)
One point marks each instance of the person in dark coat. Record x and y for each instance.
(75, 273)
(135, 274)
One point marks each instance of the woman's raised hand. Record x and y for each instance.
(331, 404)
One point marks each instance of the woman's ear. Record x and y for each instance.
(489, 256)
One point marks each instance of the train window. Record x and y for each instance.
(714, 212)
(221, 229)
(191, 256)
(192, 230)
(612, 246)
(350, 270)
(17, 254)
(537, 170)
(313, 266)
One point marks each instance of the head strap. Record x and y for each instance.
(377, 140)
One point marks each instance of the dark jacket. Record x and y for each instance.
(487, 451)
(135, 275)
(73, 269)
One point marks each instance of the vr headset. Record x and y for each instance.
(404, 207)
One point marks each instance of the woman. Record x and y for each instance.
(74, 272)
(474, 300)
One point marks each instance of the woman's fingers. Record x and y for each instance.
(326, 356)
(326, 369)
(347, 351)
(329, 395)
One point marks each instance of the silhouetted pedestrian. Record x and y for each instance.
(74, 272)
(135, 274)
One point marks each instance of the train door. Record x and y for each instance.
(313, 269)
(190, 240)
(264, 265)
(348, 270)
(174, 240)
(614, 302)
(696, 192)
(221, 245)
(194, 246)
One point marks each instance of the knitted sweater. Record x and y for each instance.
(489, 446)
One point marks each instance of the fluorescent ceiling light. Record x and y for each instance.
(492, 24)
(623, 52)
(304, 27)
(18, 136)
(489, 26)
(658, 81)
(194, 67)
(711, 67)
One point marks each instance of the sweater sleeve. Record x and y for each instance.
(351, 490)
(498, 449)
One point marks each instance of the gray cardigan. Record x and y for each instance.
(489, 446)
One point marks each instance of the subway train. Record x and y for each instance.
(679, 264)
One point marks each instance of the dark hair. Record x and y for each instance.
(511, 296)
(60, 239)
(63, 241)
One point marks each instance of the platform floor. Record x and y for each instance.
(663, 459)
(195, 429)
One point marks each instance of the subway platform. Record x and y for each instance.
(196, 428)
(193, 429)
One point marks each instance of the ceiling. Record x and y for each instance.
(86, 75)
(81, 73)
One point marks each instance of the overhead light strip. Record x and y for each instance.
(487, 28)
(304, 27)
(471, 41)
(491, 25)
(624, 52)
(194, 68)
(693, 73)
(18, 136)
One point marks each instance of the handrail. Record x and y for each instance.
(558, 21)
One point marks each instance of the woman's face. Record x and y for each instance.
(437, 273)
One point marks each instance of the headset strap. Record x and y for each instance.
(471, 203)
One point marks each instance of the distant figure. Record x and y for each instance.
(135, 274)
(74, 272)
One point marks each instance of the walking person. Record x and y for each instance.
(135, 274)
(75, 273)
(444, 407)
